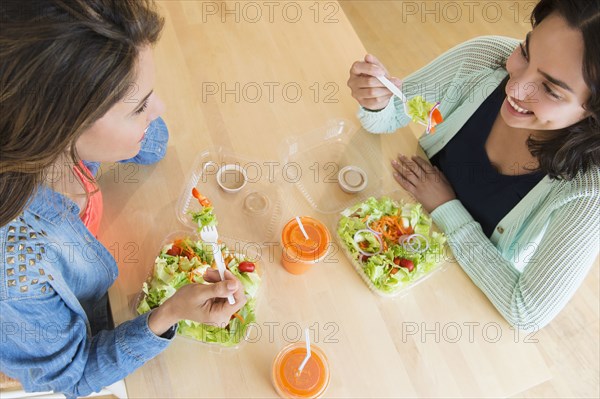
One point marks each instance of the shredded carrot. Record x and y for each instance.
(239, 317)
(188, 251)
(390, 227)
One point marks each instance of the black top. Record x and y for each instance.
(485, 193)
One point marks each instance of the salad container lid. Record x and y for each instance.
(322, 153)
(249, 210)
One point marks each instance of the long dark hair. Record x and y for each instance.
(577, 147)
(63, 65)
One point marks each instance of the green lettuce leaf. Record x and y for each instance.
(204, 217)
(418, 109)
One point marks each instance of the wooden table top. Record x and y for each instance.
(277, 71)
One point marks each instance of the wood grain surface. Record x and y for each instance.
(442, 339)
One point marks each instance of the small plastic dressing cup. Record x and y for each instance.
(352, 179)
(231, 178)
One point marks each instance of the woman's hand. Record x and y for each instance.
(201, 303)
(425, 182)
(366, 88)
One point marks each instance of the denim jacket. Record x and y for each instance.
(53, 284)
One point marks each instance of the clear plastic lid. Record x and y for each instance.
(252, 213)
(239, 248)
(321, 154)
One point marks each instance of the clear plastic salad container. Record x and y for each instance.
(252, 214)
(163, 280)
(392, 244)
(320, 154)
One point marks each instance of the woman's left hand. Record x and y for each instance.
(425, 182)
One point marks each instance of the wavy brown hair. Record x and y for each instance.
(576, 148)
(63, 65)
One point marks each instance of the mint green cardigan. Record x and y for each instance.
(541, 251)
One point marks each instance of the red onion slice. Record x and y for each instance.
(375, 235)
(411, 240)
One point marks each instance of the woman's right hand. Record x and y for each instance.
(366, 88)
(203, 303)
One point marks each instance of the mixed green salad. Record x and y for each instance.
(423, 112)
(183, 262)
(391, 242)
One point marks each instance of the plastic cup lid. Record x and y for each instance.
(296, 244)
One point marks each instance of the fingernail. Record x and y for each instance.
(231, 285)
(394, 162)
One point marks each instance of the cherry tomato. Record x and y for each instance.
(246, 267)
(436, 119)
(204, 202)
(174, 251)
(407, 264)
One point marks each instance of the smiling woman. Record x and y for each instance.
(560, 61)
(514, 179)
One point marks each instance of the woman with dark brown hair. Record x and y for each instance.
(76, 89)
(514, 179)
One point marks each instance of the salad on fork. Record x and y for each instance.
(417, 108)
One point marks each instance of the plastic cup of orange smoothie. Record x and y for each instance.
(312, 382)
(300, 254)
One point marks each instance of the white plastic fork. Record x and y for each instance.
(210, 235)
(395, 91)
